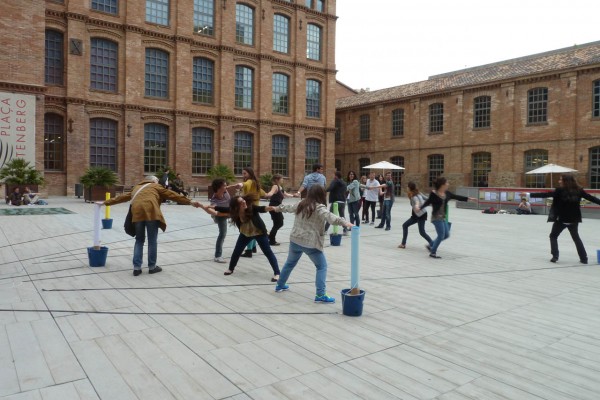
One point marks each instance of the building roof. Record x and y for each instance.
(551, 61)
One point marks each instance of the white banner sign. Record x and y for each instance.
(17, 127)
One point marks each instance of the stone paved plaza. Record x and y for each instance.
(493, 319)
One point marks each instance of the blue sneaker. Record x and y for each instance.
(324, 299)
(282, 288)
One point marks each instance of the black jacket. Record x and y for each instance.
(256, 219)
(337, 190)
(566, 206)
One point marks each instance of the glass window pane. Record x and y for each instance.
(436, 167)
(244, 24)
(280, 93)
(313, 154)
(436, 118)
(54, 142)
(481, 165)
(535, 159)
(397, 174)
(242, 151)
(244, 81)
(54, 57)
(537, 106)
(595, 168)
(313, 42)
(280, 155)
(313, 98)
(482, 109)
(398, 122)
(156, 138)
(365, 127)
(157, 12)
(157, 73)
(103, 65)
(202, 150)
(281, 33)
(107, 6)
(103, 143)
(204, 17)
(596, 99)
(203, 78)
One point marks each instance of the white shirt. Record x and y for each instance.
(372, 194)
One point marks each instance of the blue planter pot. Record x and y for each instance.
(352, 305)
(107, 223)
(335, 240)
(97, 257)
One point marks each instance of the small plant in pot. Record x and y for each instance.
(20, 173)
(97, 181)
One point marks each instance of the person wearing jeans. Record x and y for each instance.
(220, 198)
(146, 198)
(438, 199)
(388, 201)
(307, 237)
(353, 198)
(416, 200)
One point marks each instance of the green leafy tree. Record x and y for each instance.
(99, 176)
(19, 172)
(221, 171)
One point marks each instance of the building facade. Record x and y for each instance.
(486, 125)
(141, 84)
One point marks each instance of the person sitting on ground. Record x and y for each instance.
(29, 197)
(177, 185)
(524, 207)
(16, 198)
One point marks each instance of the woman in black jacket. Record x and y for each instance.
(565, 212)
(246, 217)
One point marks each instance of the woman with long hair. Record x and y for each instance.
(276, 195)
(251, 186)
(246, 216)
(307, 238)
(417, 217)
(565, 212)
(353, 198)
(438, 199)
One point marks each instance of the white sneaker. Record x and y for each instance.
(220, 260)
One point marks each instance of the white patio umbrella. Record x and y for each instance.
(383, 165)
(551, 169)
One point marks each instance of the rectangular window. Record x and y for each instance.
(398, 122)
(156, 138)
(436, 167)
(535, 159)
(242, 151)
(482, 110)
(281, 33)
(595, 168)
(280, 156)
(596, 100)
(157, 73)
(321, 5)
(202, 84)
(365, 127)
(54, 57)
(107, 6)
(204, 17)
(397, 174)
(537, 106)
(481, 166)
(54, 133)
(244, 80)
(436, 118)
(362, 163)
(313, 98)
(338, 130)
(313, 154)
(313, 42)
(202, 150)
(308, 3)
(103, 143)
(157, 12)
(280, 93)
(244, 24)
(103, 65)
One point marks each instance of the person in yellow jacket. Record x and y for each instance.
(251, 186)
(147, 217)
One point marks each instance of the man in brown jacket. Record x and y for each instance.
(146, 198)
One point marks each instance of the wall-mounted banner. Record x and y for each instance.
(17, 127)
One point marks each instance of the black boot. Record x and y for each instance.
(247, 253)
(254, 249)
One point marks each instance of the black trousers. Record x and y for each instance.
(557, 229)
(277, 218)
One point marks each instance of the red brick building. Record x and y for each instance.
(137, 85)
(488, 124)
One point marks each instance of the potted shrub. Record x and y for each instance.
(97, 181)
(19, 173)
(220, 171)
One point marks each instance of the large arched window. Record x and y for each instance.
(436, 118)
(242, 151)
(244, 24)
(281, 93)
(203, 80)
(157, 12)
(481, 165)
(54, 142)
(595, 168)
(537, 105)
(280, 155)
(313, 98)
(435, 164)
(397, 173)
(103, 143)
(204, 17)
(156, 145)
(534, 159)
(157, 73)
(281, 33)
(202, 150)
(55, 48)
(313, 42)
(482, 111)
(104, 65)
(313, 154)
(244, 87)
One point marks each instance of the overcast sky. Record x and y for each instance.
(385, 43)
